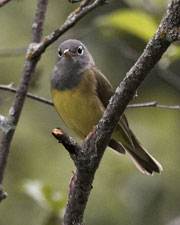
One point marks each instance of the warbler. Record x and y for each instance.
(80, 93)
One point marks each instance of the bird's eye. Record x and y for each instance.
(59, 52)
(80, 50)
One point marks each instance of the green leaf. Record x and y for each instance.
(134, 22)
(56, 200)
(45, 196)
(33, 189)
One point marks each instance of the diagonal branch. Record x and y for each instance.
(3, 2)
(72, 19)
(93, 148)
(71, 146)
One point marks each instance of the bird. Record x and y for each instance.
(80, 93)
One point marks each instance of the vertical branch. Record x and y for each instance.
(37, 27)
(29, 67)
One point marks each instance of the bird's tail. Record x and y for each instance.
(142, 159)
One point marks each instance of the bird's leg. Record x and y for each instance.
(71, 183)
(90, 134)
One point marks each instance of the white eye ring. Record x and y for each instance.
(80, 50)
(59, 52)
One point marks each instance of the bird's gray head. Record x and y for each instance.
(72, 60)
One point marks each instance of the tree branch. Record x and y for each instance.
(37, 27)
(49, 102)
(15, 111)
(30, 95)
(3, 2)
(153, 104)
(36, 48)
(71, 146)
(72, 19)
(93, 149)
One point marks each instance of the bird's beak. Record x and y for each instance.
(68, 52)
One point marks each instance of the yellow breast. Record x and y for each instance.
(80, 108)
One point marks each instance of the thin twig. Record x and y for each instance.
(49, 102)
(168, 106)
(153, 104)
(3, 2)
(146, 104)
(30, 95)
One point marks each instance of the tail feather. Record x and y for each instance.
(144, 161)
(141, 158)
(118, 147)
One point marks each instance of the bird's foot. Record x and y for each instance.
(90, 134)
(71, 183)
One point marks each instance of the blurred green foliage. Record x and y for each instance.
(121, 194)
(130, 21)
(51, 201)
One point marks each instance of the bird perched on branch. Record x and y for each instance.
(81, 93)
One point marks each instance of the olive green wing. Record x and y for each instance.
(127, 141)
(104, 87)
(105, 92)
